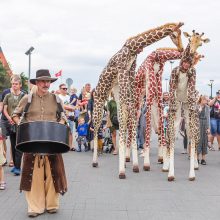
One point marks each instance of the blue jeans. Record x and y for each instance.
(215, 126)
(82, 141)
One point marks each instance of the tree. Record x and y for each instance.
(24, 80)
(4, 78)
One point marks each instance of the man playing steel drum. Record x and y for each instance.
(43, 176)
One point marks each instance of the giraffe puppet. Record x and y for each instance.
(183, 94)
(120, 74)
(149, 79)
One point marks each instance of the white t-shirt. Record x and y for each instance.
(66, 101)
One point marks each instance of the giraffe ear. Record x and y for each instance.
(186, 34)
(206, 40)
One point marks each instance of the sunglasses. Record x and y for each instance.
(64, 88)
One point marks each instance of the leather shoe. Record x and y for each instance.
(52, 211)
(33, 214)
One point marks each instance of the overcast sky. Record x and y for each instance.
(80, 36)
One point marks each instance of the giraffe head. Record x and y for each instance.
(195, 40)
(197, 58)
(176, 38)
(142, 40)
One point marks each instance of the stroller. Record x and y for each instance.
(107, 145)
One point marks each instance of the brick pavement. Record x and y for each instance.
(97, 193)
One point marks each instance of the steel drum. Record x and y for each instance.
(43, 137)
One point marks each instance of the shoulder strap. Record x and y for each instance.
(30, 95)
(22, 94)
(60, 110)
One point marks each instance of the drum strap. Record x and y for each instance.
(60, 111)
(28, 103)
(26, 107)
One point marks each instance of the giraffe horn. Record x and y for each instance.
(202, 34)
(193, 31)
(180, 24)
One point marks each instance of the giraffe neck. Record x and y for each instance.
(149, 37)
(186, 58)
(163, 55)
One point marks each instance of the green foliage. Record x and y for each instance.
(24, 80)
(4, 78)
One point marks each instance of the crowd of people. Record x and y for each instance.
(78, 112)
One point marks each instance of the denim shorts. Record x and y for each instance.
(215, 126)
(71, 123)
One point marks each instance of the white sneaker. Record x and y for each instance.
(184, 151)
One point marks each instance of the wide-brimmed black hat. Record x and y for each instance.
(42, 75)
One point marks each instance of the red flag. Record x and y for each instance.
(58, 74)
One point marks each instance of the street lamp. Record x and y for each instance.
(171, 64)
(166, 83)
(28, 53)
(211, 82)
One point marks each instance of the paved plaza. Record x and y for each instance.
(98, 194)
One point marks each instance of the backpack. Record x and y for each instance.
(214, 113)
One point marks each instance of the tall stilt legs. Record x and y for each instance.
(192, 161)
(166, 158)
(121, 149)
(171, 176)
(95, 153)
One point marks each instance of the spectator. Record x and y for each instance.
(204, 127)
(73, 96)
(4, 121)
(112, 121)
(68, 109)
(10, 102)
(88, 91)
(2, 161)
(183, 133)
(165, 99)
(85, 96)
(90, 136)
(74, 103)
(141, 132)
(76, 115)
(100, 134)
(215, 119)
(100, 139)
(83, 101)
(165, 111)
(82, 131)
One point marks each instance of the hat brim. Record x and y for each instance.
(33, 81)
